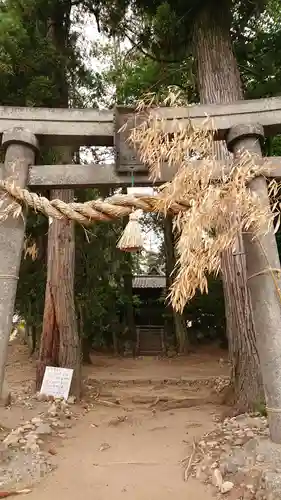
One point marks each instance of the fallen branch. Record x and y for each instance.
(126, 463)
(6, 494)
(157, 400)
(107, 403)
(187, 470)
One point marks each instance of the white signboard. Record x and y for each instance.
(56, 382)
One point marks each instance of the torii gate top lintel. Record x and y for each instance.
(91, 127)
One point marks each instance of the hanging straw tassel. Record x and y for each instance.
(131, 239)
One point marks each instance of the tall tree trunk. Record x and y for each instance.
(128, 289)
(60, 345)
(219, 82)
(180, 327)
(130, 313)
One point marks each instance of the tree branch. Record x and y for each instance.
(150, 56)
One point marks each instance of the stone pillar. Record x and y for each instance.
(264, 285)
(20, 146)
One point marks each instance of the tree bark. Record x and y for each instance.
(130, 313)
(31, 338)
(219, 82)
(60, 345)
(178, 318)
(86, 351)
(128, 290)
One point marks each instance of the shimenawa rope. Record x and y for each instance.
(85, 213)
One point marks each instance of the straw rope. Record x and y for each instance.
(84, 213)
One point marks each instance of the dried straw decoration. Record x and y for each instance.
(131, 239)
(218, 210)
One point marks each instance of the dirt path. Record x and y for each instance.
(137, 459)
(206, 362)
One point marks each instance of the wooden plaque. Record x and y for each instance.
(126, 158)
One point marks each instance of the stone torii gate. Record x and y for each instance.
(242, 125)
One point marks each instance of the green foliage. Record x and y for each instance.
(100, 268)
(207, 312)
(259, 54)
(31, 284)
(28, 60)
(32, 72)
(32, 69)
(132, 73)
(165, 27)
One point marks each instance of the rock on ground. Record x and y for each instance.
(22, 462)
(239, 460)
(22, 468)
